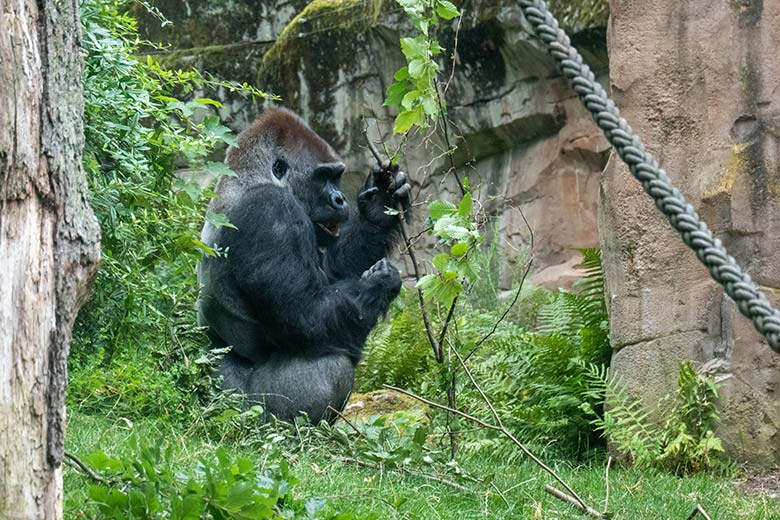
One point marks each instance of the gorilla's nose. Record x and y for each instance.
(337, 200)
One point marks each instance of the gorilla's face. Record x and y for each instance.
(316, 184)
(281, 149)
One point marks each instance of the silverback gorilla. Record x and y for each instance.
(305, 279)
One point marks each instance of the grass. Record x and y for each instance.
(633, 494)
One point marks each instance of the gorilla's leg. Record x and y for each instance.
(286, 386)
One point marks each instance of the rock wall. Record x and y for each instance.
(700, 82)
(523, 139)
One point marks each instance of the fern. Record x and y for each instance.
(683, 443)
(397, 353)
(540, 381)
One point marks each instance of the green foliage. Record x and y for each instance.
(684, 442)
(128, 338)
(397, 352)
(539, 381)
(146, 484)
(414, 91)
(456, 230)
(580, 14)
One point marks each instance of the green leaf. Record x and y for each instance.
(414, 48)
(219, 220)
(408, 100)
(407, 118)
(215, 130)
(465, 206)
(439, 290)
(459, 249)
(401, 74)
(441, 261)
(396, 93)
(207, 101)
(219, 169)
(446, 9)
(440, 208)
(416, 67)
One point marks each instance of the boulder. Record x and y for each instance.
(700, 83)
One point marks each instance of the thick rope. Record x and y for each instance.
(695, 233)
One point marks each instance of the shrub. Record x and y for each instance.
(134, 335)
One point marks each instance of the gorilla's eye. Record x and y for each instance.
(280, 168)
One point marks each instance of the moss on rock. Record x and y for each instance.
(317, 43)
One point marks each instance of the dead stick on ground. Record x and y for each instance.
(699, 511)
(413, 473)
(584, 507)
(343, 418)
(557, 493)
(76, 463)
(577, 500)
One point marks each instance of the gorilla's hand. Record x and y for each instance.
(386, 187)
(384, 275)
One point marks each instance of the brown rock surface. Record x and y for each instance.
(523, 139)
(700, 82)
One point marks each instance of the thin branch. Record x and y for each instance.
(509, 435)
(76, 463)
(699, 511)
(498, 491)
(557, 493)
(447, 321)
(606, 485)
(438, 352)
(411, 472)
(503, 316)
(446, 408)
(343, 418)
(450, 149)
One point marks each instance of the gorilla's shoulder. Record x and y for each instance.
(268, 201)
(270, 213)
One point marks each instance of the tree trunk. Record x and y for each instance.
(48, 246)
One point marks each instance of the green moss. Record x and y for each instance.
(388, 404)
(318, 42)
(577, 15)
(235, 62)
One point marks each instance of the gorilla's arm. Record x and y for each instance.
(370, 231)
(360, 245)
(274, 255)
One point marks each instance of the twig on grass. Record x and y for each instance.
(428, 476)
(560, 495)
(76, 463)
(580, 503)
(344, 418)
(699, 511)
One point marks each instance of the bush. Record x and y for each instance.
(683, 442)
(147, 482)
(128, 339)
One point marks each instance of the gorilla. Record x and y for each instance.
(304, 279)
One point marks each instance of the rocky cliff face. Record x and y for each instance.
(700, 82)
(522, 138)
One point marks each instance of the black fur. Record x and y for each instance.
(293, 301)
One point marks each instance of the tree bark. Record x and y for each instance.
(48, 245)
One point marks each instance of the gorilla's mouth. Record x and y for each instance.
(331, 229)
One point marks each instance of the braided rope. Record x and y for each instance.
(695, 233)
